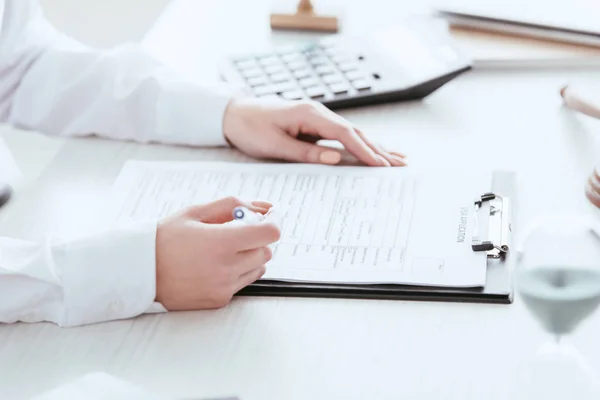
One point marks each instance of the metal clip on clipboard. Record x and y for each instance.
(496, 243)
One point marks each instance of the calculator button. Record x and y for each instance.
(272, 89)
(269, 61)
(324, 70)
(251, 73)
(347, 66)
(302, 73)
(308, 82)
(339, 88)
(296, 65)
(291, 57)
(312, 48)
(353, 75)
(280, 77)
(334, 78)
(319, 60)
(342, 58)
(308, 48)
(258, 81)
(285, 86)
(269, 96)
(264, 90)
(361, 84)
(274, 69)
(247, 64)
(315, 92)
(292, 95)
(312, 53)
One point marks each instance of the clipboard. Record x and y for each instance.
(493, 233)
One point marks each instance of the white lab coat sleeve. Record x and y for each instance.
(107, 276)
(53, 84)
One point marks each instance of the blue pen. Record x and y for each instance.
(243, 214)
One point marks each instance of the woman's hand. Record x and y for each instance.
(202, 261)
(289, 131)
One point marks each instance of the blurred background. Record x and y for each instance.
(103, 23)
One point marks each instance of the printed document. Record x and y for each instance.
(352, 225)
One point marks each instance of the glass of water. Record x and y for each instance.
(558, 280)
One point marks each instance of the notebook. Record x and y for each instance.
(558, 33)
(501, 50)
(562, 19)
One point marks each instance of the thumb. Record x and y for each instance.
(295, 150)
(221, 211)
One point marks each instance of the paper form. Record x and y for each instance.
(339, 224)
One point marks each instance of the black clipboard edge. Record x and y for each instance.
(374, 292)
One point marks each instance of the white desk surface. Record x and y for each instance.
(263, 349)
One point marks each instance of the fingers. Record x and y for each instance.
(308, 138)
(250, 277)
(249, 260)
(395, 159)
(248, 237)
(324, 123)
(592, 194)
(355, 145)
(595, 178)
(592, 189)
(221, 211)
(262, 205)
(321, 122)
(290, 149)
(250, 266)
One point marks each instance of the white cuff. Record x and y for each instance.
(108, 276)
(189, 114)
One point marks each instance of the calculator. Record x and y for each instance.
(404, 63)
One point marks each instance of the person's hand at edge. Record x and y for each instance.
(202, 261)
(271, 130)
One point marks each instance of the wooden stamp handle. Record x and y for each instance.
(305, 17)
(305, 6)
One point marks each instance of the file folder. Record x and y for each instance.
(493, 234)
